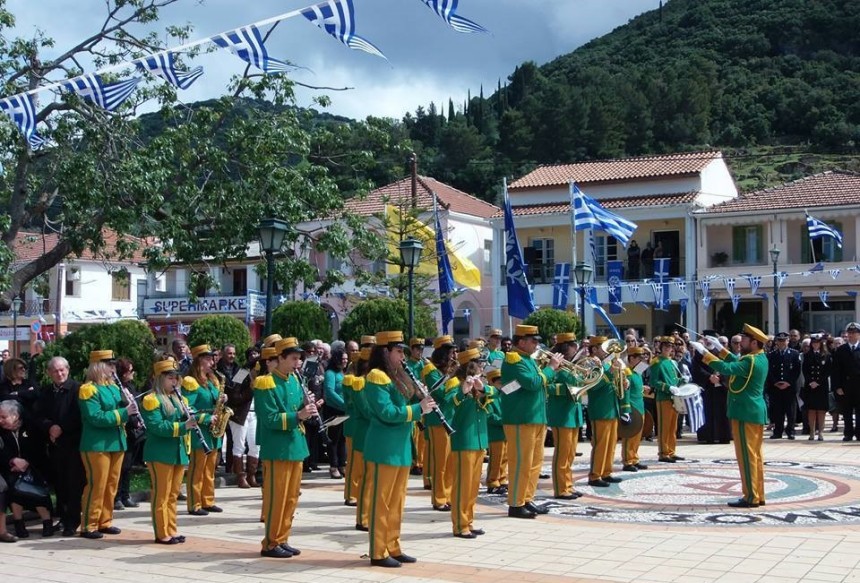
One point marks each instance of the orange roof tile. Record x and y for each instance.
(401, 192)
(832, 188)
(651, 200)
(617, 169)
(29, 246)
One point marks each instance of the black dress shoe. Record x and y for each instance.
(775, 437)
(277, 553)
(404, 559)
(181, 497)
(198, 512)
(350, 503)
(611, 479)
(389, 562)
(492, 489)
(630, 468)
(571, 496)
(443, 508)
(117, 505)
(477, 531)
(416, 472)
(578, 454)
(466, 535)
(361, 528)
(428, 487)
(668, 460)
(180, 538)
(598, 484)
(543, 476)
(537, 509)
(110, 530)
(93, 534)
(678, 458)
(847, 438)
(641, 466)
(69, 531)
(129, 503)
(170, 541)
(293, 550)
(791, 437)
(520, 512)
(741, 503)
(213, 508)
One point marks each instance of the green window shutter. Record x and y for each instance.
(759, 237)
(739, 245)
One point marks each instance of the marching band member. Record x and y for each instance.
(471, 406)
(524, 418)
(201, 388)
(635, 396)
(360, 477)
(497, 468)
(388, 448)
(440, 464)
(271, 340)
(416, 363)
(164, 450)
(103, 443)
(280, 404)
(664, 375)
(564, 417)
(495, 356)
(605, 408)
(349, 492)
(747, 409)
(268, 363)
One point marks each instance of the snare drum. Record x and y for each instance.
(682, 392)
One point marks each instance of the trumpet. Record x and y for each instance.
(588, 369)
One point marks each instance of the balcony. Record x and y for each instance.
(544, 273)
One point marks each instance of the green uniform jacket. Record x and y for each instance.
(747, 376)
(166, 435)
(635, 392)
(102, 417)
(281, 435)
(527, 404)
(202, 400)
(362, 413)
(562, 410)
(349, 424)
(496, 356)
(443, 394)
(416, 366)
(389, 436)
(495, 428)
(663, 375)
(603, 403)
(470, 420)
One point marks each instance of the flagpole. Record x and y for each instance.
(573, 243)
(811, 245)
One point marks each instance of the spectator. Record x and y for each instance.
(794, 339)
(633, 258)
(781, 385)
(816, 386)
(312, 373)
(226, 365)
(647, 256)
(4, 356)
(243, 423)
(351, 347)
(179, 348)
(16, 385)
(507, 344)
(335, 406)
(133, 455)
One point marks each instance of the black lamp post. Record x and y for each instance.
(410, 254)
(272, 232)
(582, 274)
(16, 307)
(774, 257)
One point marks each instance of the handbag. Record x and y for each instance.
(31, 487)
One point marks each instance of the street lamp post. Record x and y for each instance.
(272, 232)
(774, 257)
(410, 254)
(16, 307)
(582, 274)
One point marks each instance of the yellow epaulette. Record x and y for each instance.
(512, 357)
(358, 384)
(190, 384)
(348, 379)
(654, 361)
(264, 383)
(451, 384)
(150, 402)
(378, 377)
(87, 391)
(428, 368)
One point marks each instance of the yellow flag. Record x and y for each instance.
(464, 271)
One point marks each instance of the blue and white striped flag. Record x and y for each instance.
(780, 279)
(588, 214)
(337, 17)
(730, 285)
(755, 282)
(634, 292)
(823, 295)
(446, 10)
(560, 286)
(736, 298)
(247, 44)
(109, 97)
(22, 111)
(164, 66)
(695, 411)
(598, 309)
(818, 229)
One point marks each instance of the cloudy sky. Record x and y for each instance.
(428, 61)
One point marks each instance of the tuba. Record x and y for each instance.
(222, 412)
(615, 349)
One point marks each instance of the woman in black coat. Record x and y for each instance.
(715, 403)
(815, 393)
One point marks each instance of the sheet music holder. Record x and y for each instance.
(334, 421)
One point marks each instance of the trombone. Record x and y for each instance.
(587, 370)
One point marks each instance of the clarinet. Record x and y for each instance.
(309, 398)
(187, 411)
(423, 393)
(135, 419)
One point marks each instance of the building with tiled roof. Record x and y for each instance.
(735, 242)
(658, 193)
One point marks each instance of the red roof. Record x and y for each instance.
(617, 169)
(563, 208)
(30, 246)
(833, 188)
(400, 192)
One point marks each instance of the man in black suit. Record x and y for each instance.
(782, 376)
(845, 381)
(59, 418)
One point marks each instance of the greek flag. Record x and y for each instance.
(22, 111)
(588, 214)
(337, 17)
(560, 285)
(818, 229)
(247, 44)
(446, 277)
(695, 411)
(446, 10)
(164, 65)
(109, 97)
(755, 282)
(598, 309)
(520, 300)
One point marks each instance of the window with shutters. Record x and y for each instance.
(121, 290)
(748, 245)
(542, 266)
(825, 248)
(605, 249)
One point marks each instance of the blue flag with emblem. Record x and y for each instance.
(520, 300)
(560, 285)
(337, 17)
(614, 272)
(446, 277)
(446, 9)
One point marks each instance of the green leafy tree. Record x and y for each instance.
(551, 321)
(304, 320)
(218, 330)
(377, 315)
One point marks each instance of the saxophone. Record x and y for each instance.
(221, 411)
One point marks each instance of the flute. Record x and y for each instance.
(423, 393)
(187, 411)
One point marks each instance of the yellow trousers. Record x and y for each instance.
(441, 466)
(467, 480)
(364, 493)
(525, 456)
(565, 440)
(604, 435)
(201, 479)
(165, 479)
(388, 485)
(428, 464)
(630, 449)
(497, 469)
(747, 438)
(667, 422)
(418, 440)
(102, 469)
(350, 488)
(281, 483)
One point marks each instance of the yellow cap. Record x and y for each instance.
(636, 351)
(596, 340)
(164, 366)
(492, 375)
(390, 337)
(368, 340)
(495, 332)
(290, 344)
(523, 330)
(364, 353)
(468, 355)
(479, 343)
(201, 350)
(755, 333)
(565, 337)
(101, 355)
(443, 341)
(272, 339)
(268, 353)
(416, 342)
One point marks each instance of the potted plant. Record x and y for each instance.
(720, 258)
